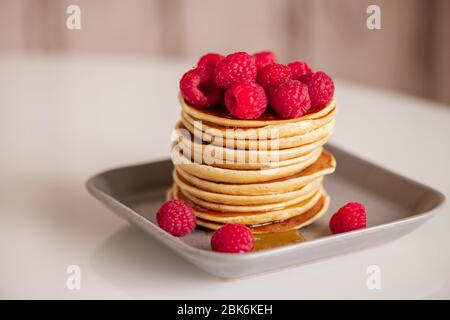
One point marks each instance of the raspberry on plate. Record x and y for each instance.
(246, 100)
(264, 58)
(320, 88)
(209, 60)
(176, 217)
(233, 238)
(350, 217)
(198, 89)
(273, 75)
(290, 99)
(236, 67)
(299, 68)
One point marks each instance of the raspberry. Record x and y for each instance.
(176, 217)
(198, 88)
(298, 69)
(246, 100)
(209, 60)
(273, 74)
(239, 66)
(290, 99)
(233, 238)
(350, 217)
(320, 88)
(264, 58)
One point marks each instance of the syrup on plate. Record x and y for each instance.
(277, 239)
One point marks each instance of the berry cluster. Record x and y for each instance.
(247, 84)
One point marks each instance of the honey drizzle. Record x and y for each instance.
(277, 239)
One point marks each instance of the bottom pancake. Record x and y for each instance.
(293, 223)
(290, 224)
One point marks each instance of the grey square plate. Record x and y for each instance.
(395, 206)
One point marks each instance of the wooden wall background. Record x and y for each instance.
(410, 54)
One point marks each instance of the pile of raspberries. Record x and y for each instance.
(247, 84)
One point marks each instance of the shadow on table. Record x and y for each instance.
(132, 259)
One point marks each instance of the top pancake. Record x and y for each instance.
(271, 131)
(221, 117)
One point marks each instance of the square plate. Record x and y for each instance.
(395, 206)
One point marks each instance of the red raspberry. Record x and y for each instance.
(209, 60)
(198, 88)
(264, 58)
(350, 217)
(239, 66)
(298, 69)
(246, 100)
(273, 75)
(176, 217)
(233, 238)
(290, 99)
(320, 88)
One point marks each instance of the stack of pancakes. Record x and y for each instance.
(265, 173)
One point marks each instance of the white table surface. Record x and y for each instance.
(64, 119)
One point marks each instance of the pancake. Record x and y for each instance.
(265, 132)
(220, 116)
(241, 165)
(219, 207)
(323, 166)
(253, 218)
(219, 163)
(246, 156)
(293, 223)
(220, 198)
(281, 143)
(210, 173)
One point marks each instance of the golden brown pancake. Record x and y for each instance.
(281, 143)
(221, 116)
(294, 223)
(238, 200)
(203, 158)
(246, 156)
(252, 218)
(266, 132)
(245, 208)
(323, 166)
(210, 173)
